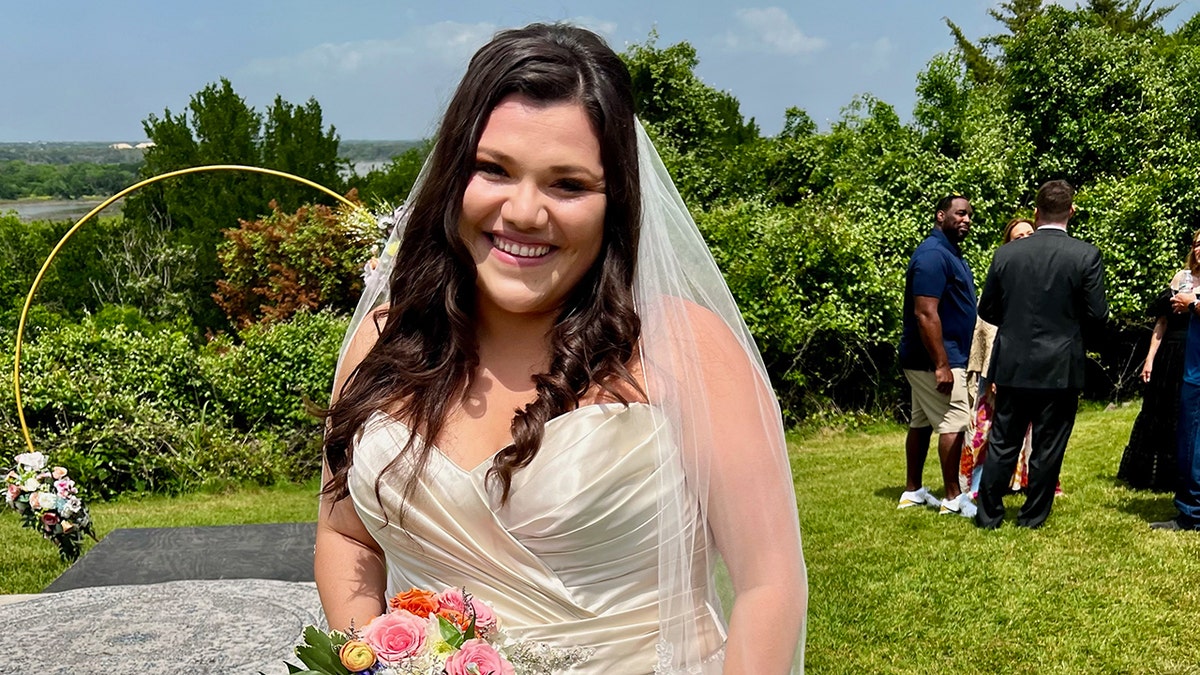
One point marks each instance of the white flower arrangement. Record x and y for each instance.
(48, 501)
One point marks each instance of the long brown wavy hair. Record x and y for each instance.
(426, 355)
(1192, 262)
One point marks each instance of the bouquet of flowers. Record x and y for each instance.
(427, 633)
(48, 501)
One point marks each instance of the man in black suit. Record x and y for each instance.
(1043, 292)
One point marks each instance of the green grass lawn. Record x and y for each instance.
(1094, 591)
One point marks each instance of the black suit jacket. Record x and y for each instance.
(1043, 292)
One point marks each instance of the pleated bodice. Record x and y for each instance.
(570, 560)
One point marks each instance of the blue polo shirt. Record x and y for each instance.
(937, 270)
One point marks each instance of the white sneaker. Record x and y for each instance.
(919, 497)
(960, 505)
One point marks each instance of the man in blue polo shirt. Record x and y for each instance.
(939, 320)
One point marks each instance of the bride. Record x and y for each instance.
(559, 407)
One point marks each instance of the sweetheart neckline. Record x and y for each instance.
(392, 419)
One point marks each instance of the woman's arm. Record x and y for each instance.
(1160, 328)
(348, 564)
(751, 506)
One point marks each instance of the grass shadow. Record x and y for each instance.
(1147, 506)
(890, 493)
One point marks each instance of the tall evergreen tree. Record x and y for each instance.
(1015, 14)
(1129, 16)
(981, 68)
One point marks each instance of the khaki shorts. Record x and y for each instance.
(931, 408)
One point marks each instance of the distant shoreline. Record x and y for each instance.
(30, 210)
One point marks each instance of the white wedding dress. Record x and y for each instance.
(571, 560)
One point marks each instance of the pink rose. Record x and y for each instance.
(452, 598)
(14, 491)
(49, 520)
(484, 657)
(396, 636)
(64, 486)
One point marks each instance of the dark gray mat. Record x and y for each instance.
(282, 551)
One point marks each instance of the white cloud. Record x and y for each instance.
(1069, 4)
(877, 56)
(601, 26)
(770, 29)
(446, 42)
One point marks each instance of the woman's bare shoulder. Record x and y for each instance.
(365, 336)
(698, 340)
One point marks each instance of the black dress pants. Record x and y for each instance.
(1052, 413)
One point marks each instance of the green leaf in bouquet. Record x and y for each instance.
(337, 638)
(319, 654)
(450, 633)
(295, 670)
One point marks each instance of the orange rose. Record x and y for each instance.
(419, 602)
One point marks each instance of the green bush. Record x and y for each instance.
(798, 277)
(265, 380)
(153, 452)
(128, 405)
(275, 266)
(90, 372)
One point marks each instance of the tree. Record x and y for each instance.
(295, 141)
(942, 97)
(697, 128)
(685, 111)
(1129, 16)
(981, 68)
(220, 128)
(1015, 14)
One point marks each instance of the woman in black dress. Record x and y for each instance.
(1148, 462)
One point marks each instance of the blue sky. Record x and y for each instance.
(92, 71)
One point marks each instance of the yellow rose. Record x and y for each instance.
(357, 655)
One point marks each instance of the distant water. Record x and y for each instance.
(29, 210)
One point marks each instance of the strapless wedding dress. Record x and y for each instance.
(571, 560)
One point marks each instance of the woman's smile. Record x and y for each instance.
(516, 249)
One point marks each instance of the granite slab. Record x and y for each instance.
(192, 626)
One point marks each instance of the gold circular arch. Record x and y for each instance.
(79, 223)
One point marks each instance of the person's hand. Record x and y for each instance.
(1146, 371)
(945, 380)
(1181, 300)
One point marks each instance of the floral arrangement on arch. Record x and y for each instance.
(48, 501)
(427, 633)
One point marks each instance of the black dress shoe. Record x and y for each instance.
(1172, 525)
